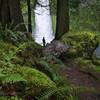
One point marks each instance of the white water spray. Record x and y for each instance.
(98, 52)
(43, 22)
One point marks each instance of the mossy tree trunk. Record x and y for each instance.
(62, 25)
(10, 12)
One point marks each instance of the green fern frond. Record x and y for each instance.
(51, 66)
(13, 78)
(10, 98)
(65, 92)
(35, 77)
(27, 75)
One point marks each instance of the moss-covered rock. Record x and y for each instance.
(28, 75)
(29, 54)
(82, 43)
(24, 81)
(12, 60)
(84, 63)
(24, 54)
(56, 48)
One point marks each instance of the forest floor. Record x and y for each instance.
(78, 77)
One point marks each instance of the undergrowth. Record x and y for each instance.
(23, 68)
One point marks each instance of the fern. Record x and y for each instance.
(25, 74)
(64, 92)
(7, 57)
(12, 78)
(10, 98)
(12, 36)
(58, 92)
(51, 66)
(54, 61)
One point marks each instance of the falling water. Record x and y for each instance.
(98, 52)
(43, 22)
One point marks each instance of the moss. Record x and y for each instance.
(24, 54)
(29, 54)
(87, 67)
(36, 77)
(5, 47)
(28, 75)
(12, 36)
(12, 60)
(82, 43)
(86, 63)
(72, 53)
(95, 59)
(51, 66)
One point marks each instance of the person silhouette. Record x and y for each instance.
(44, 42)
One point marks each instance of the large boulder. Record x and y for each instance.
(56, 48)
(82, 43)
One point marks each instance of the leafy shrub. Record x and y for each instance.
(12, 36)
(25, 74)
(12, 72)
(85, 15)
(83, 43)
(24, 81)
(24, 54)
(51, 66)
(64, 93)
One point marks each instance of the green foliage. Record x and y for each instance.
(87, 66)
(25, 74)
(10, 98)
(14, 37)
(53, 5)
(24, 54)
(74, 3)
(12, 72)
(29, 55)
(12, 55)
(83, 43)
(86, 16)
(85, 63)
(64, 93)
(51, 66)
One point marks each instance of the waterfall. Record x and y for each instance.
(98, 52)
(43, 22)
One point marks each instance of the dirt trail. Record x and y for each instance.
(79, 78)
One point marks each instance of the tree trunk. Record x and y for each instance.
(0, 10)
(5, 18)
(62, 18)
(16, 15)
(29, 17)
(10, 12)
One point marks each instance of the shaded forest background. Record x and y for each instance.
(66, 69)
(84, 14)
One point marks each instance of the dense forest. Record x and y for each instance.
(49, 49)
